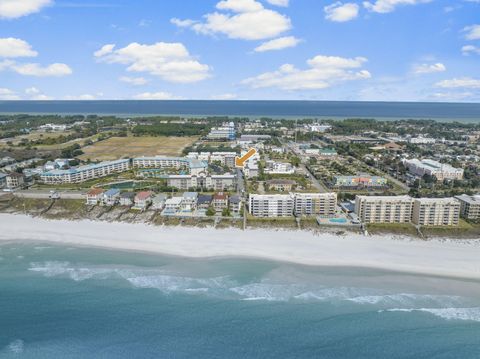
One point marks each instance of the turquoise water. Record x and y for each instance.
(65, 302)
(337, 220)
(467, 112)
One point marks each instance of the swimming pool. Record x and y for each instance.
(338, 220)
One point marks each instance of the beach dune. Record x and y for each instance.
(445, 258)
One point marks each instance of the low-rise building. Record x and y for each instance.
(85, 173)
(14, 180)
(308, 204)
(127, 199)
(189, 202)
(204, 201)
(158, 201)
(251, 170)
(235, 205)
(273, 167)
(143, 200)
(281, 185)
(94, 196)
(360, 181)
(193, 165)
(225, 132)
(220, 201)
(111, 197)
(271, 205)
(384, 209)
(469, 206)
(215, 182)
(436, 211)
(172, 205)
(440, 171)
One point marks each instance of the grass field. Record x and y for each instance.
(118, 147)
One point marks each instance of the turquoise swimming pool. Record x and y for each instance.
(338, 220)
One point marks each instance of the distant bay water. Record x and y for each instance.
(465, 112)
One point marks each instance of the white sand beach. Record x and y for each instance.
(445, 258)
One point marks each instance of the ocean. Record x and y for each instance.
(465, 112)
(68, 302)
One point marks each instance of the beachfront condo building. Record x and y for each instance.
(309, 204)
(85, 173)
(440, 171)
(216, 182)
(194, 166)
(436, 211)
(469, 206)
(225, 132)
(384, 209)
(273, 205)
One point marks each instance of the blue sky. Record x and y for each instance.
(378, 50)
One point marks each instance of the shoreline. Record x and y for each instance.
(392, 253)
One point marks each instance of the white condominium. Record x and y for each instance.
(85, 173)
(436, 211)
(441, 171)
(469, 206)
(323, 204)
(384, 209)
(273, 205)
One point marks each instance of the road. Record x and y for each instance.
(319, 186)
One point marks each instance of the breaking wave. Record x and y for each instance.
(272, 287)
(469, 314)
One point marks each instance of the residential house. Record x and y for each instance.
(189, 202)
(94, 196)
(172, 205)
(127, 199)
(143, 200)
(235, 204)
(111, 197)
(158, 202)
(204, 201)
(220, 201)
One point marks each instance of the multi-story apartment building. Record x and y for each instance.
(273, 205)
(215, 182)
(439, 170)
(384, 209)
(85, 173)
(308, 204)
(225, 132)
(14, 180)
(469, 206)
(194, 166)
(436, 211)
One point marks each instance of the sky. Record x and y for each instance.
(374, 50)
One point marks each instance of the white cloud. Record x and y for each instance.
(324, 71)
(340, 12)
(429, 68)
(54, 70)
(32, 91)
(8, 95)
(225, 96)
(472, 32)
(452, 96)
(386, 6)
(84, 97)
(240, 5)
(104, 50)
(283, 3)
(470, 49)
(155, 96)
(136, 81)
(278, 44)
(170, 61)
(463, 82)
(11, 47)
(244, 19)
(11, 9)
